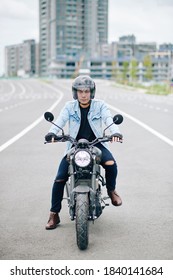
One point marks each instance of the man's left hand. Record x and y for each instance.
(117, 139)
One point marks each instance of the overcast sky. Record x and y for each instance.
(148, 20)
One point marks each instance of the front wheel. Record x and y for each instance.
(82, 209)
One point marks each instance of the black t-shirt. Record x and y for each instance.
(85, 130)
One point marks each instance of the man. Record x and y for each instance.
(85, 116)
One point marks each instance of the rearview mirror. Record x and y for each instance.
(49, 116)
(117, 119)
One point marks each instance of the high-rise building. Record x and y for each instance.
(20, 59)
(71, 29)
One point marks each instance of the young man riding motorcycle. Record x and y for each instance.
(85, 116)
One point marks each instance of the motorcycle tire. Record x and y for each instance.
(82, 209)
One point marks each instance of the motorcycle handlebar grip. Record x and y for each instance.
(55, 139)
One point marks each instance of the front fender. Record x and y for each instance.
(81, 189)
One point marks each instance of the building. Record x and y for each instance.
(111, 60)
(73, 40)
(166, 47)
(128, 47)
(162, 65)
(20, 59)
(70, 30)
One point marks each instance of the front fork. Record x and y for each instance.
(71, 191)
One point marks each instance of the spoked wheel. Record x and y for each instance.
(82, 208)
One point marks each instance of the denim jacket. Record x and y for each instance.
(97, 115)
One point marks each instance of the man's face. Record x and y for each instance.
(83, 96)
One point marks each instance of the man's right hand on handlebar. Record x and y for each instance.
(51, 137)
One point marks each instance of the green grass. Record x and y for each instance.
(164, 89)
(157, 89)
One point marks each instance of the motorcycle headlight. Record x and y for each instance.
(82, 158)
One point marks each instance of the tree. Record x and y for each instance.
(147, 62)
(114, 70)
(133, 70)
(125, 71)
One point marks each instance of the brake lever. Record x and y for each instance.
(50, 142)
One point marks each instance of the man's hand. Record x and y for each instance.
(50, 137)
(117, 138)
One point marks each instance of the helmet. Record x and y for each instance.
(83, 82)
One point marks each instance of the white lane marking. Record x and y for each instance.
(27, 129)
(13, 88)
(22, 93)
(145, 126)
(8, 95)
(35, 123)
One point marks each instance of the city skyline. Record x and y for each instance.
(149, 22)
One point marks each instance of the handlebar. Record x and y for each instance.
(65, 138)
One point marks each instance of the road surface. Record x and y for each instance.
(140, 229)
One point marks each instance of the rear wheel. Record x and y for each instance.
(82, 208)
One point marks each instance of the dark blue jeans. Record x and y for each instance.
(62, 177)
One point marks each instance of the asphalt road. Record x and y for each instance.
(140, 229)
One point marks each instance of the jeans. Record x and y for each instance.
(62, 177)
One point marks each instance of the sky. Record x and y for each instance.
(148, 20)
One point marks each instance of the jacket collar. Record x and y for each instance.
(77, 108)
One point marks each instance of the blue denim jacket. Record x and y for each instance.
(97, 115)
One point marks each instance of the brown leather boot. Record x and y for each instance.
(53, 221)
(115, 198)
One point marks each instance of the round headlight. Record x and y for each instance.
(82, 158)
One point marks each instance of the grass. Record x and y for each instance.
(156, 89)
(164, 89)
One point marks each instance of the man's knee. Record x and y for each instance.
(59, 180)
(110, 162)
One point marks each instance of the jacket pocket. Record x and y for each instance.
(96, 117)
(74, 118)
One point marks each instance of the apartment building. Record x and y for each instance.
(73, 40)
(70, 30)
(20, 59)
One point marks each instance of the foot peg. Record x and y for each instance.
(106, 197)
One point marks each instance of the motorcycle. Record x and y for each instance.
(84, 186)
